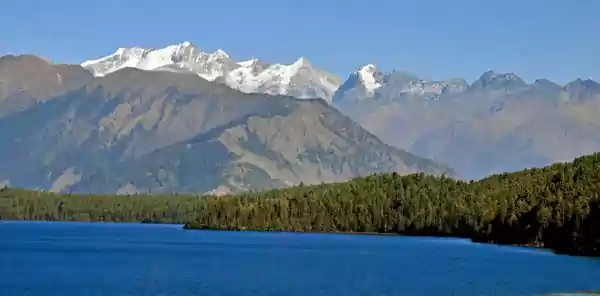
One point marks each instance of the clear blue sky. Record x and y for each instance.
(557, 39)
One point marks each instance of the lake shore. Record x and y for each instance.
(529, 246)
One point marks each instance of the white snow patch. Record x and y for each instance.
(248, 63)
(367, 76)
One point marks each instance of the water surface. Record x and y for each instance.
(54, 258)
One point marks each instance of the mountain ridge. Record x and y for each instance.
(431, 118)
(158, 131)
(497, 123)
(27, 80)
(299, 79)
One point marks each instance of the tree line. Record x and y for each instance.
(555, 207)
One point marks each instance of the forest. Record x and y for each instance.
(556, 207)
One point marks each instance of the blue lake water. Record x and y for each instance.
(53, 258)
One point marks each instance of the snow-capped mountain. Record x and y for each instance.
(299, 79)
(371, 79)
(360, 85)
(368, 83)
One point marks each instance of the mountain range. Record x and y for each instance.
(496, 124)
(299, 79)
(178, 119)
(133, 131)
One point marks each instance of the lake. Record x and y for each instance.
(64, 258)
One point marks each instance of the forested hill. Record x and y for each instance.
(556, 207)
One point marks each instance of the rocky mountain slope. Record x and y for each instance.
(28, 80)
(498, 123)
(299, 79)
(159, 131)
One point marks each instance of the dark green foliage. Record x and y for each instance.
(557, 207)
(17, 204)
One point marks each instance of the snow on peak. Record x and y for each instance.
(122, 58)
(248, 63)
(302, 62)
(368, 83)
(186, 44)
(369, 68)
(370, 77)
(299, 79)
(220, 54)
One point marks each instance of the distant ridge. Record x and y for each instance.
(497, 123)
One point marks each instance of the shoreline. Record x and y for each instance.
(528, 246)
(187, 227)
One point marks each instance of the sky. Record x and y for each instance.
(436, 39)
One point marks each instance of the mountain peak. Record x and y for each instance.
(370, 77)
(129, 50)
(26, 80)
(488, 75)
(300, 79)
(546, 83)
(491, 75)
(493, 80)
(588, 83)
(359, 86)
(187, 44)
(249, 63)
(302, 62)
(26, 59)
(185, 47)
(542, 81)
(583, 89)
(368, 68)
(220, 53)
